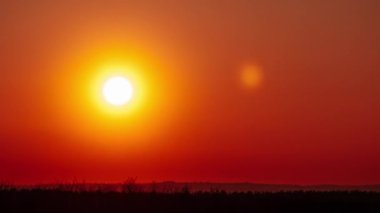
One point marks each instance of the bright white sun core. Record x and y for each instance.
(117, 91)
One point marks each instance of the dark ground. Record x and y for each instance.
(56, 201)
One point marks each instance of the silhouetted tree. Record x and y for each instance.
(130, 186)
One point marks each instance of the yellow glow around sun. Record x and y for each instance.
(117, 91)
(113, 93)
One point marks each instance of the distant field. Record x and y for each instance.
(170, 187)
(56, 201)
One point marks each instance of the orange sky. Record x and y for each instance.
(307, 112)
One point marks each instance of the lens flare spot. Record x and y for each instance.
(251, 76)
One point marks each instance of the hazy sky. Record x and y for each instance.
(313, 116)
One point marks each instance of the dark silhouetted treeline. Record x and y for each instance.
(56, 201)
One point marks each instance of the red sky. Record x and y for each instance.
(313, 118)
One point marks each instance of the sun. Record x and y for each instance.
(117, 91)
